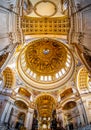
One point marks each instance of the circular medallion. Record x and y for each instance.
(45, 8)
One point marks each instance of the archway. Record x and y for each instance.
(20, 120)
(20, 113)
(71, 115)
(45, 105)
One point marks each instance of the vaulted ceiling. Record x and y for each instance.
(45, 62)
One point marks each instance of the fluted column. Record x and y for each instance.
(60, 116)
(29, 119)
(79, 105)
(6, 113)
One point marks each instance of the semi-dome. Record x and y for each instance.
(43, 62)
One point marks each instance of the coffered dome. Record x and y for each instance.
(45, 61)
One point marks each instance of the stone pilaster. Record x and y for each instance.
(5, 112)
(29, 119)
(8, 113)
(82, 113)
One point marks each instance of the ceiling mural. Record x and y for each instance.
(45, 56)
(45, 61)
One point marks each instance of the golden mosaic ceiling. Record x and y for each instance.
(45, 56)
(43, 62)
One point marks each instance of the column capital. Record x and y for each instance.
(11, 100)
(30, 110)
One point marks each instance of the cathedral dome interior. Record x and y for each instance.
(46, 61)
(45, 65)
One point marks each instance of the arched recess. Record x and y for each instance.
(44, 95)
(69, 105)
(23, 91)
(17, 118)
(68, 100)
(66, 93)
(8, 77)
(82, 79)
(21, 104)
(21, 116)
(71, 115)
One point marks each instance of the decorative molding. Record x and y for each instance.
(46, 3)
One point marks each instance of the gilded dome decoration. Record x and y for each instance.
(43, 62)
(45, 56)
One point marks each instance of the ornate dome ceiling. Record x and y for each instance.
(43, 62)
(45, 56)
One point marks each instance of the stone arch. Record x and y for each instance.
(68, 100)
(82, 79)
(45, 104)
(69, 105)
(65, 93)
(21, 100)
(16, 91)
(43, 94)
(20, 120)
(8, 77)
